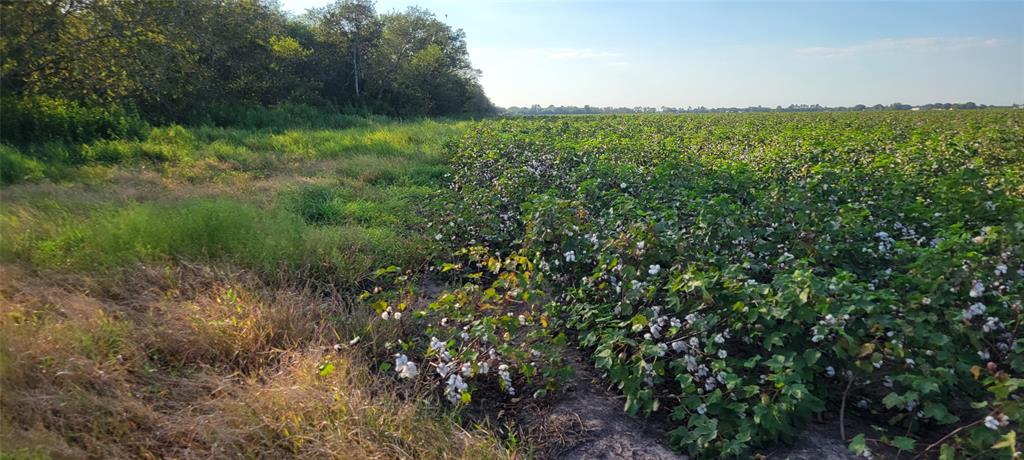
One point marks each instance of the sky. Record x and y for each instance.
(736, 54)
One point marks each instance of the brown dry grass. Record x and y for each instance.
(189, 362)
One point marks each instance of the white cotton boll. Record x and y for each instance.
(830, 372)
(406, 369)
(977, 289)
(654, 269)
(386, 314)
(455, 388)
(678, 346)
(506, 379)
(397, 315)
(723, 354)
(675, 323)
(991, 423)
(974, 310)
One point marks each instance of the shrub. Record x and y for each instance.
(40, 118)
(279, 117)
(16, 167)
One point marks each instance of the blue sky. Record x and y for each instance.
(737, 53)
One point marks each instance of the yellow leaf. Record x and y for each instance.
(1009, 440)
(866, 349)
(976, 371)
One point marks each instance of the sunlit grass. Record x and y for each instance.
(158, 297)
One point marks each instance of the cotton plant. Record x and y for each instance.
(457, 342)
(741, 288)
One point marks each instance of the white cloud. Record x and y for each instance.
(901, 44)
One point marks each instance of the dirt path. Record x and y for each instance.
(586, 421)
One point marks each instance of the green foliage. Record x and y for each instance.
(38, 119)
(274, 243)
(491, 334)
(174, 59)
(279, 117)
(201, 230)
(739, 271)
(380, 149)
(15, 167)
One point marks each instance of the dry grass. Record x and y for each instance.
(189, 362)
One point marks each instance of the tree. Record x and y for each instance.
(82, 49)
(173, 58)
(422, 66)
(352, 26)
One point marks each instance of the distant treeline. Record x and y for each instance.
(574, 110)
(168, 60)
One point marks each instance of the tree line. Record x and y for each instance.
(168, 59)
(536, 109)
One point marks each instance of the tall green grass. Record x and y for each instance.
(39, 119)
(247, 149)
(273, 243)
(281, 116)
(356, 205)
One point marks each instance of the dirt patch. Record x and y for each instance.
(586, 421)
(818, 441)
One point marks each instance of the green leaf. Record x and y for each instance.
(892, 400)
(858, 445)
(325, 369)
(904, 443)
(939, 413)
(1008, 441)
(946, 452)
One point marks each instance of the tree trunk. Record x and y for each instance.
(355, 70)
